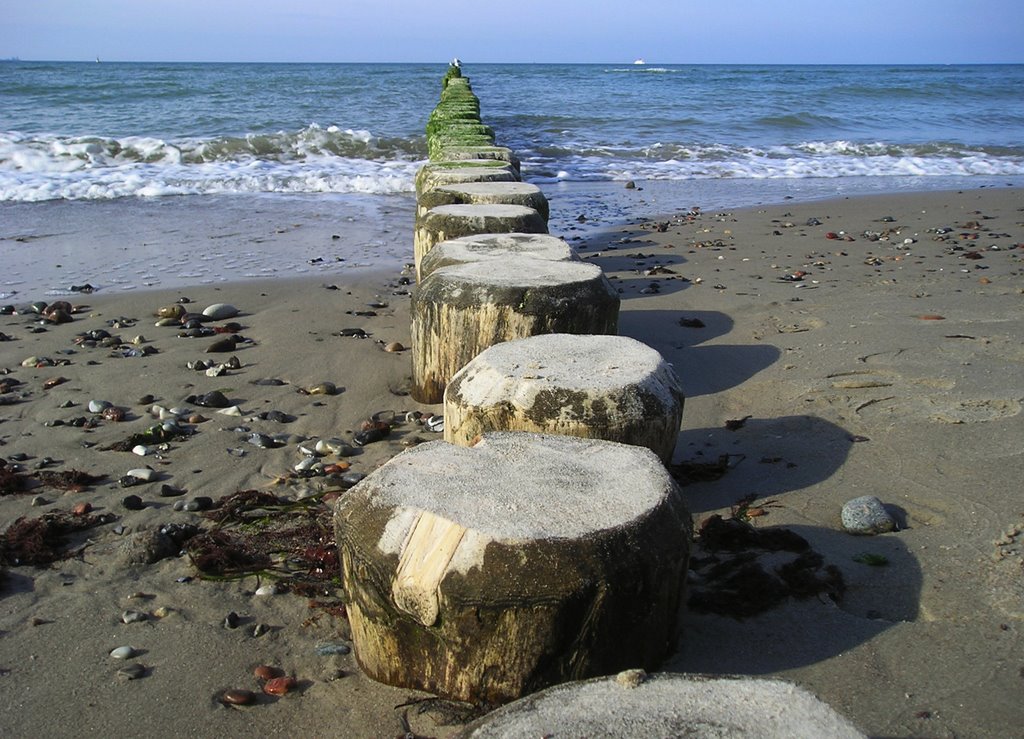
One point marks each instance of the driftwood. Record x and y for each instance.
(482, 574)
(452, 221)
(482, 247)
(459, 311)
(602, 387)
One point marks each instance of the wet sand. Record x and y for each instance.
(865, 367)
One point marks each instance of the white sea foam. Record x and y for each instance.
(313, 160)
(814, 159)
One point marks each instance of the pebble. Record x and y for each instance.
(141, 449)
(133, 617)
(266, 672)
(133, 503)
(133, 671)
(169, 491)
(39, 500)
(231, 621)
(146, 474)
(351, 478)
(306, 465)
(394, 346)
(212, 399)
(263, 441)
(268, 589)
(221, 346)
(125, 652)
(237, 697)
(98, 406)
(220, 311)
(631, 678)
(323, 388)
(278, 685)
(867, 515)
(170, 311)
(325, 650)
(334, 446)
(200, 503)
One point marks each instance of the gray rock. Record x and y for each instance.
(867, 515)
(220, 311)
(147, 547)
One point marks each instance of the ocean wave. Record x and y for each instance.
(311, 160)
(814, 159)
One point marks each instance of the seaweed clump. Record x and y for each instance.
(257, 533)
(42, 541)
(732, 581)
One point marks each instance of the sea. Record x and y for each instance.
(93, 141)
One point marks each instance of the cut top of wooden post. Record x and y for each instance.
(531, 286)
(519, 369)
(508, 193)
(449, 502)
(483, 247)
(510, 487)
(606, 387)
(437, 174)
(633, 704)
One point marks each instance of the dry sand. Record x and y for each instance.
(851, 383)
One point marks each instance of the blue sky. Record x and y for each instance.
(661, 31)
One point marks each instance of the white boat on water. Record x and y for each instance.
(639, 61)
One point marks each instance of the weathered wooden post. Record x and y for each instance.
(484, 193)
(482, 574)
(438, 174)
(452, 221)
(633, 704)
(461, 310)
(601, 387)
(483, 247)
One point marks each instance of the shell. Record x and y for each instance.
(113, 413)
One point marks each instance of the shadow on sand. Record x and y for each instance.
(879, 590)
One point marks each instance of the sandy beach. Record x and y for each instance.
(828, 350)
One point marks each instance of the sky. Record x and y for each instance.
(551, 31)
